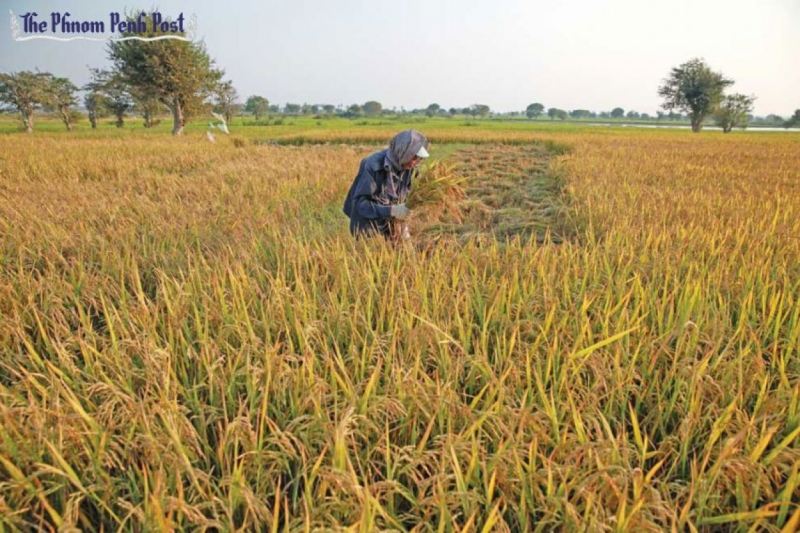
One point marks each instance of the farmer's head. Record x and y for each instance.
(407, 149)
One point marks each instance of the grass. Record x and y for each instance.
(189, 338)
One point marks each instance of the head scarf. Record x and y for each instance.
(404, 146)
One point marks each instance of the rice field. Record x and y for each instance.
(599, 332)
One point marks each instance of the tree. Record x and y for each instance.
(453, 111)
(617, 112)
(632, 114)
(226, 100)
(432, 109)
(481, 109)
(580, 113)
(180, 74)
(732, 111)
(534, 110)
(695, 89)
(552, 112)
(148, 106)
(329, 109)
(372, 108)
(117, 95)
(95, 104)
(24, 91)
(60, 96)
(353, 111)
(794, 120)
(258, 106)
(291, 109)
(561, 114)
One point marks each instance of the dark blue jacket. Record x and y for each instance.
(377, 186)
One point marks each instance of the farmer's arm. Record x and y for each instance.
(364, 196)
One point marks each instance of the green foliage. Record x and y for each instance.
(432, 109)
(258, 106)
(113, 93)
(732, 111)
(794, 121)
(25, 91)
(534, 110)
(226, 100)
(481, 110)
(372, 108)
(180, 74)
(695, 89)
(617, 112)
(60, 96)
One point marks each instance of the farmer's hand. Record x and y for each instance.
(400, 211)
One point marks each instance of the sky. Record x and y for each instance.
(569, 54)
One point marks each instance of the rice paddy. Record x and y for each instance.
(599, 332)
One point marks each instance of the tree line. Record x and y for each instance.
(179, 77)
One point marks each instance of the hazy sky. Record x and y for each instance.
(587, 54)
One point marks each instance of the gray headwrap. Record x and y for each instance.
(404, 147)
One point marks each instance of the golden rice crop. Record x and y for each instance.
(190, 339)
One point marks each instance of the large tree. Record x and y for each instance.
(732, 111)
(617, 112)
(24, 91)
(180, 74)
(694, 89)
(534, 110)
(258, 106)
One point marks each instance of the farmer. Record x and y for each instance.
(376, 201)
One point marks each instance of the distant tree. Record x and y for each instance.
(617, 112)
(353, 111)
(645, 116)
(116, 93)
(24, 91)
(432, 109)
(562, 115)
(481, 109)
(794, 120)
(605, 114)
(291, 109)
(226, 100)
(453, 111)
(776, 119)
(552, 113)
(732, 111)
(695, 89)
(274, 108)
(534, 110)
(60, 97)
(659, 115)
(580, 113)
(256, 105)
(632, 114)
(329, 109)
(372, 108)
(95, 105)
(179, 73)
(147, 105)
